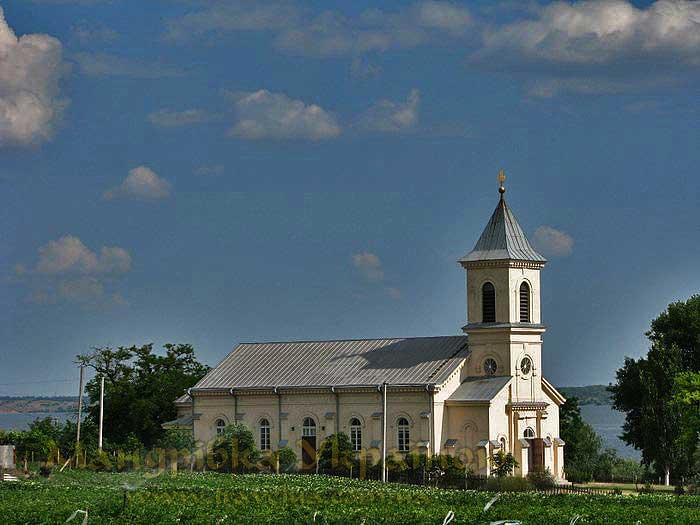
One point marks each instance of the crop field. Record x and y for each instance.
(219, 499)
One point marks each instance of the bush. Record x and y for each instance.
(336, 454)
(44, 471)
(541, 479)
(235, 450)
(508, 484)
(101, 462)
(287, 460)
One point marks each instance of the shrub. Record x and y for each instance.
(235, 450)
(287, 460)
(336, 454)
(508, 484)
(541, 479)
(503, 464)
(44, 471)
(101, 462)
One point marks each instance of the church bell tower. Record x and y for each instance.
(503, 304)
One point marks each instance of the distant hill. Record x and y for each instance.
(23, 404)
(588, 395)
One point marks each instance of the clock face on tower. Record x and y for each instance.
(490, 366)
(525, 365)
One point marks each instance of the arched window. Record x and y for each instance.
(308, 429)
(503, 445)
(403, 434)
(220, 426)
(264, 434)
(356, 434)
(529, 433)
(488, 303)
(524, 303)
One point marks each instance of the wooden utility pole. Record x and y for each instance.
(102, 412)
(80, 416)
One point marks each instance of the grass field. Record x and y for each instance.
(252, 499)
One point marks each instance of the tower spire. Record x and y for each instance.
(501, 180)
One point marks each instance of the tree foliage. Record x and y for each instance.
(502, 464)
(336, 454)
(235, 450)
(140, 387)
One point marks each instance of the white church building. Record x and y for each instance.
(467, 395)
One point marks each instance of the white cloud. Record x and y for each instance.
(370, 266)
(141, 183)
(266, 115)
(107, 65)
(232, 15)
(553, 242)
(166, 118)
(392, 117)
(68, 254)
(329, 33)
(590, 33)
(68, 271)
(30, 69)
(332, 34)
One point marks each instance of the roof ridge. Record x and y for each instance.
(294, 341)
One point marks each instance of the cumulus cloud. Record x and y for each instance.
(233, 15)
(107, 65)
(266, 115)
(369, 265)
(330, 33)
(553, 242)
(392, 117)
(594, 33)
(68, 255)
(141, 183)
(67, 270)
(30, 69)
(166, 118)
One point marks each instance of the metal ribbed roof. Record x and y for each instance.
(414, 361)
(479, 388)
(503, 239)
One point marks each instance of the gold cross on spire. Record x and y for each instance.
(501, 180)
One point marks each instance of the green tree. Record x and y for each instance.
(502, 464)
(679, 326)
(336, 454)
(582, 445)
(686, 398)
(235, 450)
(644, 391)
(140, 387)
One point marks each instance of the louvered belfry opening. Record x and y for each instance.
(524, 303)
(488, 303)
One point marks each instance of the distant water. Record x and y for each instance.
(608, 424)
(21, 420)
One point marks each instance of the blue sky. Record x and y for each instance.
(217, 172)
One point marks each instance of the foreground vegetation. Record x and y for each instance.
(214, 498)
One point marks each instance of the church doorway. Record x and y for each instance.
(536, 456)
(308, 444)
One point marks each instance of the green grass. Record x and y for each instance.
(252, 499)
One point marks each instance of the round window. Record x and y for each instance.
(490, 366)
(526, 365)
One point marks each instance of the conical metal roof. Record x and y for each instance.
(503, 239)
